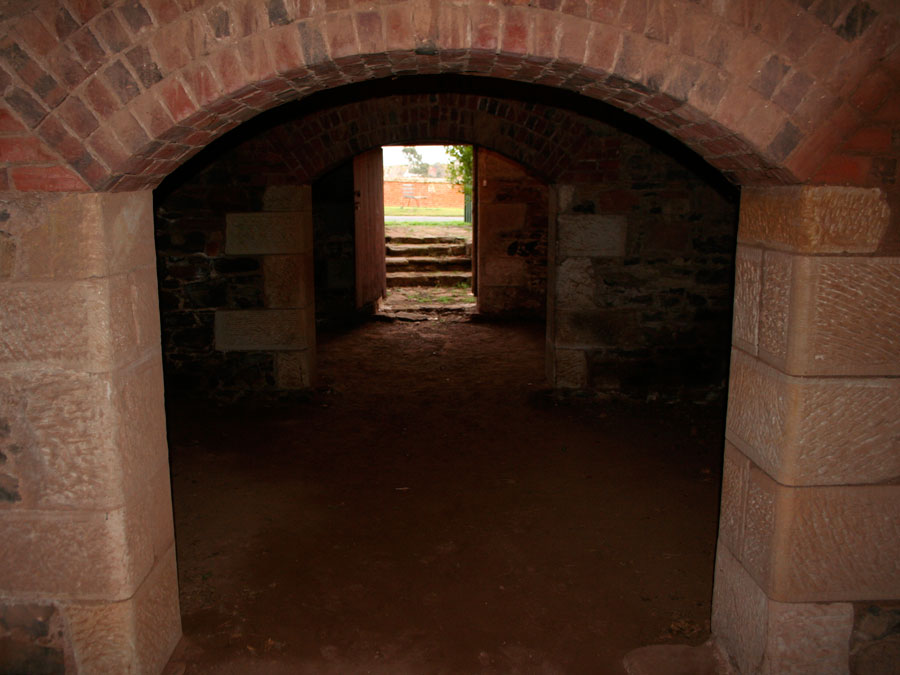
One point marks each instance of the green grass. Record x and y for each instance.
(421, 211)
(427, 223)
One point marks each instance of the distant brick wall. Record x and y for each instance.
(429, 192)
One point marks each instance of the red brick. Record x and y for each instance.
(64, 65)
(110, 150)
(515, 32)
(870, 140)
(398, 32)
(29, 108)
(129, 132)
(88, 49)
(202, 84)
(100, 98)
(255, 58)
(47, 179)
(872, 91)
(121, 82)
(634, 15)
(164, 11)
(135, 15)
(369, 32)
(56, 136)
(33, 33)
(170, 48)
(85, 10)
(28, 150)
(227, 67)
(177, 100)
(890, 110)
(485, 27)
(4, 180)
(64, 24)
(8, 123)
(340, 35)
(152, 116)
(573, 38)
(844, 170)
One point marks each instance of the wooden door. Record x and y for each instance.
(368, 190)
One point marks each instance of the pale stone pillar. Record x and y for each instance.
(810, 500)
(85, 504)
(282, 236)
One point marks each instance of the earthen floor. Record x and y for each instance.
(433, 509)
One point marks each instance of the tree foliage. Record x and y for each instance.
(459, 170)
(417, 166)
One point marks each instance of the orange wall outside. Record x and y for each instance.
(432, 194)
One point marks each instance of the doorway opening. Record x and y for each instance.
(515, 492)
(429, 230)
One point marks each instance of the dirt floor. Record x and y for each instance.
(434, 509)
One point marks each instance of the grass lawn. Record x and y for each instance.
(421, 211)
(427, 223)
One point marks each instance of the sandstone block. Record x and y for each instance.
(268, 329)
(747, 291)
(814, 544)
(134, 314)
(288, 281)
(814, 219)
(294, 370)
(287, 198)
(814, 431)
(78, 236)
(136, 635)
(61, 445)
(575, 284)
(503, 271)
(771, 638)
(570, 369)
(85, 555)
(591, 235)
(268, 233)
(58, 323)
(597, 328)
(830, 316)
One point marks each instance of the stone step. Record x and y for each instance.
(423, 263)
(408, 239)
(420, 250)
(395, 279)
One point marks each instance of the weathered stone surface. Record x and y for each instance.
(814, 219)
(78, 236)
(747, 291)
(570, 368)
(775, 309)
(268, 233)
(136, 635)
(591, 235)
(771, 638)
(294, 370)
(814, 431)
(591, 329)
(830, 316)
(288, 280)
(61, 440)
(86, 555)
(813, 544)
(734, 496)
(287, 198)
(575, 284)
(269, 329)
(59, 323)
(7, 255)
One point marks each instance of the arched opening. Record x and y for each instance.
(796, 104)
(642, 246)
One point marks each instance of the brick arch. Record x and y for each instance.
(116, 98)
(554, 143)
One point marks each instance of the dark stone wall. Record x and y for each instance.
(659, 320)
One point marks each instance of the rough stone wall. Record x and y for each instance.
(643, 276)
(512, 238)
(198, 278)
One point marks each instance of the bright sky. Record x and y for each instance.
(431, 154)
